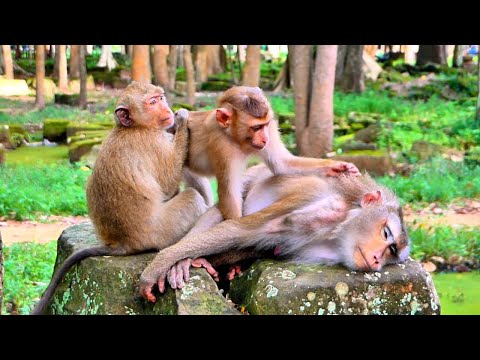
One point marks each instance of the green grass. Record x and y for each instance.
(27, 192)
(444, 241)
(28, 269)
(459, 293)
(36, 155)
(438, 180)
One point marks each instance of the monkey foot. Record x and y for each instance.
(180, 272)
(234, 271)
(343, 168)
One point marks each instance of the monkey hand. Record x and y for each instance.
(234, 271)
(180, 272)
(341, 167)
(181, 116)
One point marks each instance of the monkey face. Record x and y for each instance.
(158, 114)
(376, 237)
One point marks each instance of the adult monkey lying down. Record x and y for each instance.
(349, 220)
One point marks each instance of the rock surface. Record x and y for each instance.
(109, 285)
(272, 287)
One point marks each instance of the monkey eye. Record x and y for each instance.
(387, 233)
(153, 101)
(393, 249)
(256, 128)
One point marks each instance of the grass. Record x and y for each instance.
(36, 155)
(28, 269)
(438, 180)
(459, 293)
(28, 192)
(444, 241)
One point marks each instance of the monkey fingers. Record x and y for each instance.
(233, 271)
(178, 273)
(343, 167)
(146, 291)
(201, 262)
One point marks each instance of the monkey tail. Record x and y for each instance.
(69, 262)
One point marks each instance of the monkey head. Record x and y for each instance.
(374, 233)
(143, 105)
(246, 113)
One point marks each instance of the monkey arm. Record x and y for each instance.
(199, 183)
(181, 142)
(281, 162)
(230, 187)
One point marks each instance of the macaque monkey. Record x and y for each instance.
(349, 220)
(132, 194)
(243, 125)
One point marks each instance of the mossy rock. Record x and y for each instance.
(272, 287)
(74, 85)
(67, 99)
(376, 163)
(365, 119)
(425, 150)
(355, 145)
(13, 87)
(19, 134)
(109, 285)
(2, 155)
(216, 86)
(74, 128)
(50, 87)
(87, 135)
(81, 148)
(90, 158)
(369, 134)
(177, 106)
(55, 130)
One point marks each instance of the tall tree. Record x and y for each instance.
(201, 63)
(458, 52)
(251, 71)
(106, 58)
(314, 86)
(62, 68)
(216, 59)
(7, 61)
(56, 63)
(129, 50)
(74, 68)
(141, 64)
(172, 67)
(40, 76)
(283, 79)
(160, 65)
(187, 59)
(436, 54)
(349, 74)
(83, 76)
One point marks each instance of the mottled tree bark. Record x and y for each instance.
(201, 63)
(251, 71)
(349, 68)
(160, 65)
(40, 76)
(172, 67)
(7, 61)
(141, 64)
(458, 55)
(187, 59)
(74, 68)
(62, 68)
(435, 54)
(83, 76)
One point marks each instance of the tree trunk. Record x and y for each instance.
(141, 64)
(106, 58)
(83, 76)
(172, 67)
(251, 71)
(129, 50)
(18, 52)
(40, 76)
(283, 79)
(74, 68)
(349, 68)
(187, 59)
(409, 54)
(62, 68)
(201, 63)
(458, 55)
(478, 96)
(230, 63)
(239, 60)
(1, 273)
(317, 140)
(123, 49)
(371, 50)
(56, 62)
(215, 64)
(160, 65)
(300, 57)
(7, 61)
(432, 54)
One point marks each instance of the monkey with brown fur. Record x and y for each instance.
(132, 193)
(241, 126)
(349, 220)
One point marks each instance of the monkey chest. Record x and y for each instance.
(200, 163)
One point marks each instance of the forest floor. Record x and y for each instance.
(50, 229)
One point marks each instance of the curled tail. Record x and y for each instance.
(69, 262)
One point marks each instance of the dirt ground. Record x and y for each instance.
(18, 231)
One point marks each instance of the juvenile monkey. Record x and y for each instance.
(243, 125)
(132, 191)
(349, 220)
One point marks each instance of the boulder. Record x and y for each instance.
(272, 287)
(55, 129)
(67, 99)
(91, 157)
(109, 285)
(74, 85)
(50, 87)
(376, 163)
(13, 88)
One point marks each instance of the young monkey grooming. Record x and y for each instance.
(132, 194)
(349, 220)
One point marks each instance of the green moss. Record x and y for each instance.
(459, 293)
(366, 152)
(88, 135)
(55, 129)
(77, 128)
(177, 106)
(80, 148)
(67, 99)
(286, 116)
(216, 86)
(35, 155)
(340, 140)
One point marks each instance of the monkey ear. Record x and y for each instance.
(122, 115)
(223, 117)
(372, 198)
